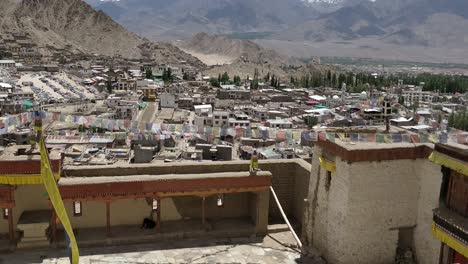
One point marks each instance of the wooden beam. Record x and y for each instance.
(11, 230)
(158, 217)
(108, 219)
(298, 241)
(164, 195)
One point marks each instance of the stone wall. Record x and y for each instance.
(427, 247)
(358, 215)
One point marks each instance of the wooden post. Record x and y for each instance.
(108, 218)
(298, 241)
(54, 226)
(203, 212)
(158, 217)
(11, 230)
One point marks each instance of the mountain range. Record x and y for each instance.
(371, 26)
(75, 26)
(179, 19)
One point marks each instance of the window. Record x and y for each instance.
(444, 187)
(6, 212)
(155, 205)
(77, 209)
(328, 181)
(220, 200)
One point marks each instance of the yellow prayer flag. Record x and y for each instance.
(56, 200)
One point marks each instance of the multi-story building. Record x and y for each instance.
(239, 120)
(126, 109)
(416, 94)
(373, 203)
(185, 103)
(220, 118)
(234, 94)
(200, 99)
(450, 219)
(11, 100)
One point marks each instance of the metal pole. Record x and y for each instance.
(298, 241)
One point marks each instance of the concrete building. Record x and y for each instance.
(220, 118)
(203, 109)
(143, 154)
(167, 100)
(368, 201)
(185, 103)
(126, 109)
(237, 94)
(416, 94)
(7, 64)
(279, 123)
(232, 122)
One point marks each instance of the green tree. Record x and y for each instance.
(185, 76)
(267, 77)
(167, 76)
(224, 78)
(109, 86)
(149, 74)
(311, 121)
(237, 80)
(401, 100)
(214, 82)
(451, 120)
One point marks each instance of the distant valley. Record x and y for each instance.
(419, 30)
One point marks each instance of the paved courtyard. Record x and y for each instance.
(275, 248)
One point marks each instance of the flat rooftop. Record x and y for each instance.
(67, 181)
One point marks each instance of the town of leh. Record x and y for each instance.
(234, 131)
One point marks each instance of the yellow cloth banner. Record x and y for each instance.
(23, 179)
(56, 200)
(450, 241)
(327, 165)
(449, 162)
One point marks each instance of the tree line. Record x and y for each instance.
(361, 81)
(458, 120)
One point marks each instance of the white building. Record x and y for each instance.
(7, 64)
(203, 109)
(417, 95)
(320, 114)
(279, 123)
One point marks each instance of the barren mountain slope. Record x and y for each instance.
(74, 25)
(181, 19)
(221, 50)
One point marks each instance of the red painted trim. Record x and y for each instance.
(152, 188)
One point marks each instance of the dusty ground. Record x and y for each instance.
(211, 59)
(272, 249)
